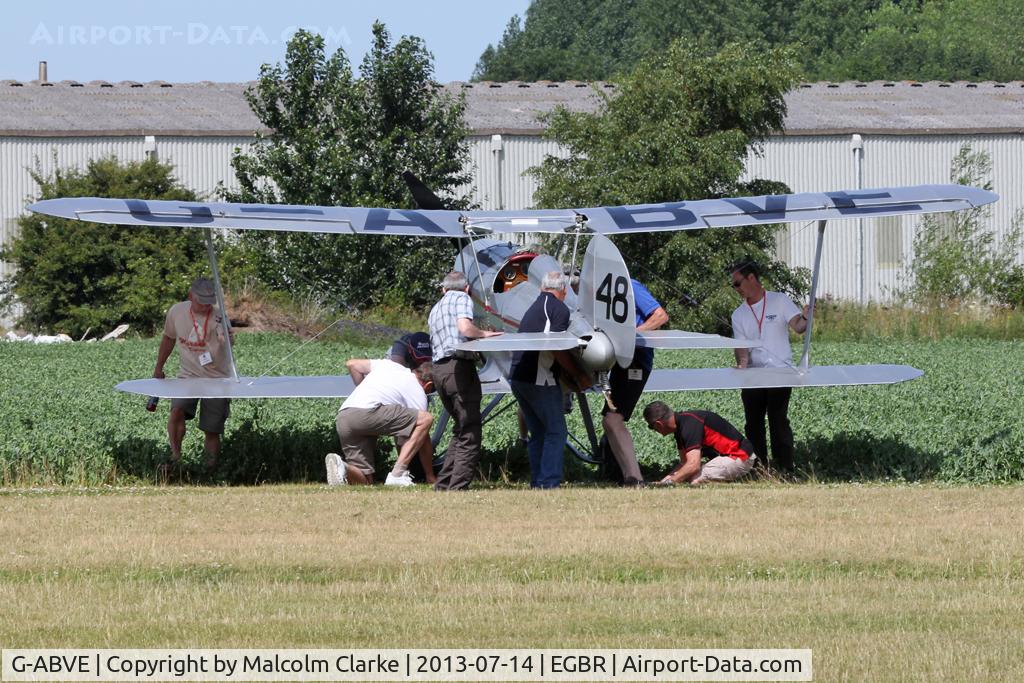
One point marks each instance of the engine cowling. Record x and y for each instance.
(598, 354)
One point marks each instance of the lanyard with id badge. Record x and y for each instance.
(205, 358)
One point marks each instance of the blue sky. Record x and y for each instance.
(189, 40)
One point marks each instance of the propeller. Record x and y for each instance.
(421, 194)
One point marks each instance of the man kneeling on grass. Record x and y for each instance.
(701, 433)
(391, 400)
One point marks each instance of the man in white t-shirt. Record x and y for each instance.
(391, 400)
(766, 316)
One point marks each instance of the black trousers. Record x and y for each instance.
(458, 384)
(773, 404)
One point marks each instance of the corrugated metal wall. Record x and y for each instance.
(500, 164)
(814, 164)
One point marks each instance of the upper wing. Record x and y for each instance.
(704, 213)
(697, 379)
(317, 386)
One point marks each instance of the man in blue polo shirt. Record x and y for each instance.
(627, 385)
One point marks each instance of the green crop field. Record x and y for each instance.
(62, 422)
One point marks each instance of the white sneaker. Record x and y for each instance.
(403, 479)
(336, 474)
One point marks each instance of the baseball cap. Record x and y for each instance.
(202, 290)
(413, 348)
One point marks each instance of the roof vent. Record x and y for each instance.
(42, 73)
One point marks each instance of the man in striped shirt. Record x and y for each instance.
(701, 433)
(456, 380)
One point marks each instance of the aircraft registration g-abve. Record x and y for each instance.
(505, 280)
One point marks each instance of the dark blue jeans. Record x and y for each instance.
(545, 417)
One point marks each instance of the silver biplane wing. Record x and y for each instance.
(703, 379)
(524, 341)
(282, 386)
(681, 339)
(685, 215)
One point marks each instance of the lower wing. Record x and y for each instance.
(317, 386)
(698, 379)
(680, 339)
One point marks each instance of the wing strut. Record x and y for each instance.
(805, 359)
(220, 300)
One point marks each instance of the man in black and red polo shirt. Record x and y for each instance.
(701, 433)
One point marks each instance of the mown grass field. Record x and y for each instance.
(882, 582)
(62, 422)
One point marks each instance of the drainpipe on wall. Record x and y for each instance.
(857, 145)
(498, 150)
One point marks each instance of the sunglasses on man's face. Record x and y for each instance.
(737, 283)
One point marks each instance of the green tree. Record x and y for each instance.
(561, 41)
(835, 39)
(73, 275)
(956, 259)
(344, 141)
(678, 127)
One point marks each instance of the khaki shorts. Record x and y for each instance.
(725, 468)
(213, 412)
(358, 429)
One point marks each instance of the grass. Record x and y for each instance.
(884, 583)
(846, 321)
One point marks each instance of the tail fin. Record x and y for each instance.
(421, 194)
(606, 297)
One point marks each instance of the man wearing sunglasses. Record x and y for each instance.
(767, 317)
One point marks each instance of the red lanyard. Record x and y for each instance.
(764, 305)
(206, 323)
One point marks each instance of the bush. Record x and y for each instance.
(73, 275)
(956, 259)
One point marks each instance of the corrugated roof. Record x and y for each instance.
(68, 108)
(904, 107)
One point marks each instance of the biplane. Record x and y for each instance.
(505, 279)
